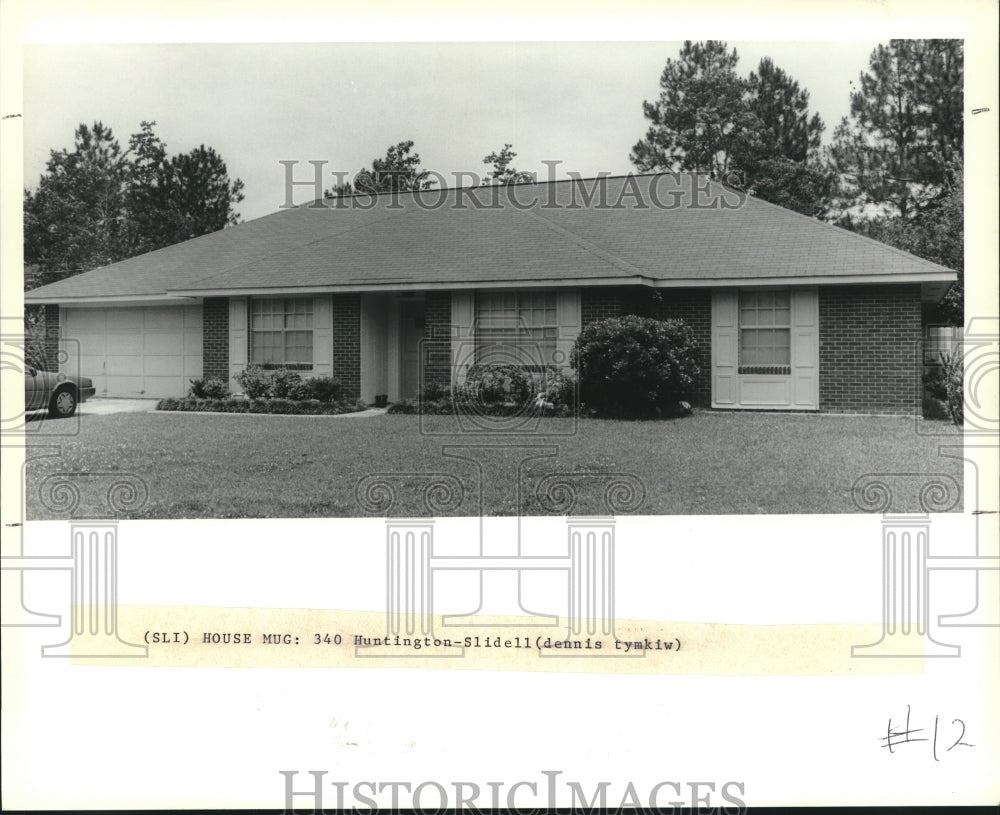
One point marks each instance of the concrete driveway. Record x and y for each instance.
(102, 406)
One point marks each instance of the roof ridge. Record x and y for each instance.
(536, 183)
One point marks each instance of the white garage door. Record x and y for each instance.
(149, 351)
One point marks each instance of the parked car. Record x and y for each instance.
(58, 393)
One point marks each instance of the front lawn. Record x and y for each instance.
(253, 466)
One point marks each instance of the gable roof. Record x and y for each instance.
(661, 229)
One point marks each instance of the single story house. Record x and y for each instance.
(386, 291)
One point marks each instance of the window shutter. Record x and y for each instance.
(805, 348)
(322, 336)
(725, 347)
(463, 339)
(570, 325)
(239, 350)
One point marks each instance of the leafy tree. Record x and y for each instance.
(98, 204)
(502, 173)
(397, 171)
(701, 118)
(196, 195)
(76, 219)
(755, 133)
(784, 127)
(905, 127)
(935, 234)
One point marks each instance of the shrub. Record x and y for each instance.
(952, 373)
(635, 366)
(255, 382)
(308, 407)
(323, 388)
(404, 406)
(209, 388)
(497, 385)
(555, 388)
(285, 383)
(435, 390)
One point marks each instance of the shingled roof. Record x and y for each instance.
(660, 230)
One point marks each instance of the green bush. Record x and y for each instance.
(309, 407)
(953, 372)
(554, 388)
(255, 382)
(404, 406)
(635, 366)
(208, 388)
(489, 386)
(323, 388)
(286, 384)
(282, 383)
(435, 390)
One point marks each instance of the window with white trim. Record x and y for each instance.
(765, 331)
(516, 327)
(281, 332)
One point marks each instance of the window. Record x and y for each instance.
(518, 328)
(281, 333)
(765, 332)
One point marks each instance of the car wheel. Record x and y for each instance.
(63, 404)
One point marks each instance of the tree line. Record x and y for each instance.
(893, 170)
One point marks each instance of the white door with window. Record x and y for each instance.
(765, 348)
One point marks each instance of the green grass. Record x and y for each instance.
(287, 466)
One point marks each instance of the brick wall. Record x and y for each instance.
(694, 306)
(868, 341)
(51, 318)
(215, 338)
(347, 343)
(436, 364)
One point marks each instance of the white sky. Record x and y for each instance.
(256, 104)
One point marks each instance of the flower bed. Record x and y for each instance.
(295, 407)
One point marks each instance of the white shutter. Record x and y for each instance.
(805, 348)
(463, 340)
(570, 323)
(725, 347)
(322, 336)
(238, 347)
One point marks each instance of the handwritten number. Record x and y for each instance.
(961, 735)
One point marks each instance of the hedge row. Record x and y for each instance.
(306, 407)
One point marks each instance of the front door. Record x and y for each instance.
(411, 332)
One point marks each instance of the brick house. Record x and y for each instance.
(384, 292)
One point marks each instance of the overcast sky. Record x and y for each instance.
(257, 104)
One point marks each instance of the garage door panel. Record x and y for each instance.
(125, 366)
(86, 320)
(124, 385)
(164, 366)
(123, 319)
(166, 344)
(161, 387)
(86, 344)
(163, 318)
(140, 351)
(192, 366)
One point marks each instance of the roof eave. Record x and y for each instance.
(944, 277)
